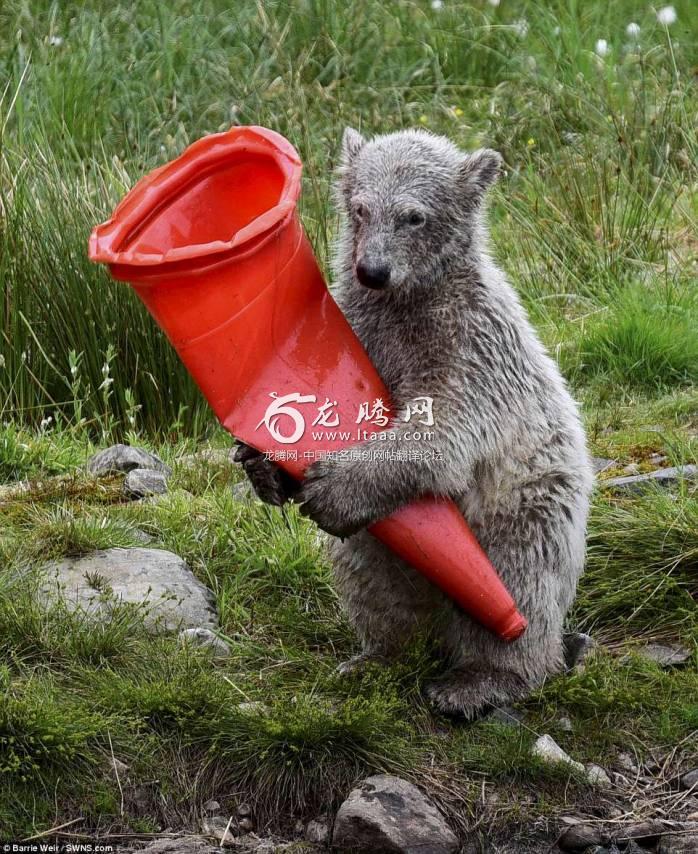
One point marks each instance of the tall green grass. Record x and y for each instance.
(600, 153)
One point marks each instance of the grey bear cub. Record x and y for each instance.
(415, 280)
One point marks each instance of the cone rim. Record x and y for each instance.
(153, 191)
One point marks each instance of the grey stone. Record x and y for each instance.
(660, 477)
(657, 459)
(597, 776)
(580, 837)
(139, 483)
(690, 780)
(600, 464)
(577, 646)
(207, 456)
(679, 843)
(641, 832)
(180, 845)
(665, 655)
(221, 829)
(549, 751)
(254, 707)
(244, 809)
(507, 716)
(202, 637)
(119, 768)
(125, 458)
(627, 763)
(243, 491)
(246, 825)
(161, 582)
(317, 831)
(386, 813)
(565, 724)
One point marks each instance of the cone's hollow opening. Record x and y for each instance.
(211, 207)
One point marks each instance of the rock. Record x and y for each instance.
(221, 829)
(180, 845)
(565, 724)
(660, 477)
(507, 716)
(211, 807)
(547, 749)
(244, 809)
(657, 459)
(119, 768)
(243, 491)
(140, 483)
(317, 831)
(642, 832)
(633, 848)
(386, 813)
(627, 763)
(581, 836)
(577, 647)
(664, 655)
(246, 825)
(255, 707)
(204, 456)
(207, 639)
(171, 596)
(125, 458)
(600, 464)
(679, 843)
(690, 780)
(597, 776)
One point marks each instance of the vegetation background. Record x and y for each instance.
(595, 223)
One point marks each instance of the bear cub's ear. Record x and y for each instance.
(480, 170)
(352, 143)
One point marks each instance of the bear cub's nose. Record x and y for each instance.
(373, 275)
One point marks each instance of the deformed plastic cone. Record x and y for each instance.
(212, 244)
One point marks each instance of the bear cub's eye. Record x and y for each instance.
(414, 219)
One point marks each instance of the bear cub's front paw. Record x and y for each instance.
(327, 498)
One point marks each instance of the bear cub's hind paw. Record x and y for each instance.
(470, 694)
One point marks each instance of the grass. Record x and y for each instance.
(174, 715)
(594, 223)
(93, 98)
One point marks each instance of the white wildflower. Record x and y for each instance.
(55, 41)
(601, 48)
(633, 30)
(667, 16)
(437, 4)
(494, 3)
(521, 28)
(557, 31)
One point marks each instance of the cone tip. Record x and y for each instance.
(514, 626)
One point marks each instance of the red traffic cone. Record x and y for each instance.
(213, 246)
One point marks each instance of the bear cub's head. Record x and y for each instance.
(412, 201)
